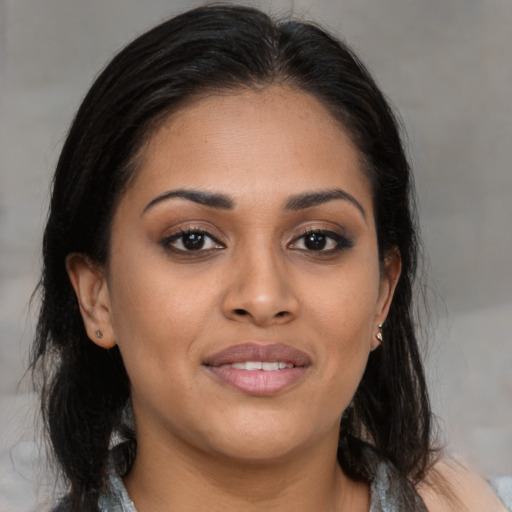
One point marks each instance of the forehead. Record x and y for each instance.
(253, 143)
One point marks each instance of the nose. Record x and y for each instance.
(260, 290)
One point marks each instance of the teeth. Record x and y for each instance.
(253, 365)
(267, 366)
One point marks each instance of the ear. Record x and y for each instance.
(90, 285)
(390, 274)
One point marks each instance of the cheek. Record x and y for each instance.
(344, 304)
(156, 317)
(151, 298)
(342, 319)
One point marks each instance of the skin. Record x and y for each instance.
(168, 309)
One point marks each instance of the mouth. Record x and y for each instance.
(260, 370)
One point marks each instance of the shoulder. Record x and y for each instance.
(452, 487)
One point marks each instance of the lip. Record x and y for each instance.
(258, 382)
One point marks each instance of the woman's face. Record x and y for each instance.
(243, 286)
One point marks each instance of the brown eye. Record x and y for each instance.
(189, 241)
(315, 241)
(326, 242)
(193, 241)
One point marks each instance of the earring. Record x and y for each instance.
(99, 334)
(379, 334)
(379, 337)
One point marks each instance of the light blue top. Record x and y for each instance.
(503, 488)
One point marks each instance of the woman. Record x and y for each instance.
(226, 298)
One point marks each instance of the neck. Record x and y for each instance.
(181, 478)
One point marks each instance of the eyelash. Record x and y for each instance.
(341, 242)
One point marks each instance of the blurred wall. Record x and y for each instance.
(447, 67)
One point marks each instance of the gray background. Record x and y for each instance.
(445, 64)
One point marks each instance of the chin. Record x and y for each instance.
(257, 440)
(257, 450)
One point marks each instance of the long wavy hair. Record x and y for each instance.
(85, 389)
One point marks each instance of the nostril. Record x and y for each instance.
(241, 312)
(281, 314)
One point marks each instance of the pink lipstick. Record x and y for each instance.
(259, 370)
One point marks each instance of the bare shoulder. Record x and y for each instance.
(451, 487)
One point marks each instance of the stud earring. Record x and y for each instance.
(379, 334)
(99, 334)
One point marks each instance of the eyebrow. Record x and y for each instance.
(309, 199)
(213, 200)
(223, 202)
